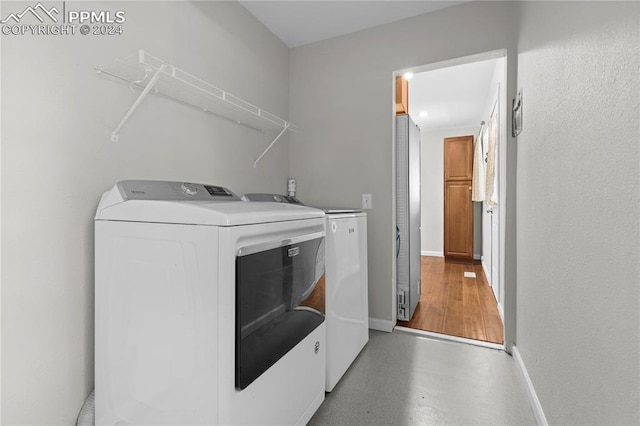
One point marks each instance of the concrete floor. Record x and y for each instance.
(404, 379)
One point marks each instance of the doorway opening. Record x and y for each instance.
(460, 110)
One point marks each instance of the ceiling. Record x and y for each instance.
(453, 97)
(301, 22)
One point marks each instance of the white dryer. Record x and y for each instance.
(347, 304)
(209, 310)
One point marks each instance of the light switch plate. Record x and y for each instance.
(367, 202)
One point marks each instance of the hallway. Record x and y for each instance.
(403, 379)
(456, 305)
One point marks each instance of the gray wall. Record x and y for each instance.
(341, 97)
(578, 209)
(57, 159)
(432, 192)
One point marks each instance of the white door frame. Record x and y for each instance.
(506, 178)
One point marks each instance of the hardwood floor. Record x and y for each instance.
(454, 305)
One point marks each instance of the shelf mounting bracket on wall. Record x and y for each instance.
(150, 74)
(116, 133)
(255, 163)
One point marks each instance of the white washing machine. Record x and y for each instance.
(209, 310)
(347, 302)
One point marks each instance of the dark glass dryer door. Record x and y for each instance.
(279, 301)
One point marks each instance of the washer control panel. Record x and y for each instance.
(218, 191)
(171, 191)
(276, 198)
(189, 188)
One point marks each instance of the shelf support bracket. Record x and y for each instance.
(116, 133)
(255, 163)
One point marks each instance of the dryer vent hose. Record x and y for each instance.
(87, 416)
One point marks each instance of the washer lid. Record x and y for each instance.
(293, 200)
(169, 202)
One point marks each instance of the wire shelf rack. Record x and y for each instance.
(153, 75)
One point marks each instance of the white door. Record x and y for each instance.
(491, 213)
(495, 258)
(494, 132)
(487, 220)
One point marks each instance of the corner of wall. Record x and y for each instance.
(381, 325)
(538, 412)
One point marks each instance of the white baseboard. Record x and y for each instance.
(487, 275)
(381, 325)
(432, 253)
(541, 420)
(501, 311)
(441, 254)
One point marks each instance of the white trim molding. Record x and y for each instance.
(381, 325)
(541, 420)
(432, 253)
(441, 254)
(486, 270)
(446, 337)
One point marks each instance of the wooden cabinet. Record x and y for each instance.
(458, 158)
(458, 207)
(458, 220)
(402, 95)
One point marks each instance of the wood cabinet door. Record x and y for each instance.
(458, 158)
(458, 220)
(402, 95)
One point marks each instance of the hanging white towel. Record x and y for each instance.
(491, 193)
(477, 184)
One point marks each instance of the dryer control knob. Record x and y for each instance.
(189, 188)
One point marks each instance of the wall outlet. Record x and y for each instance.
(367, 202)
